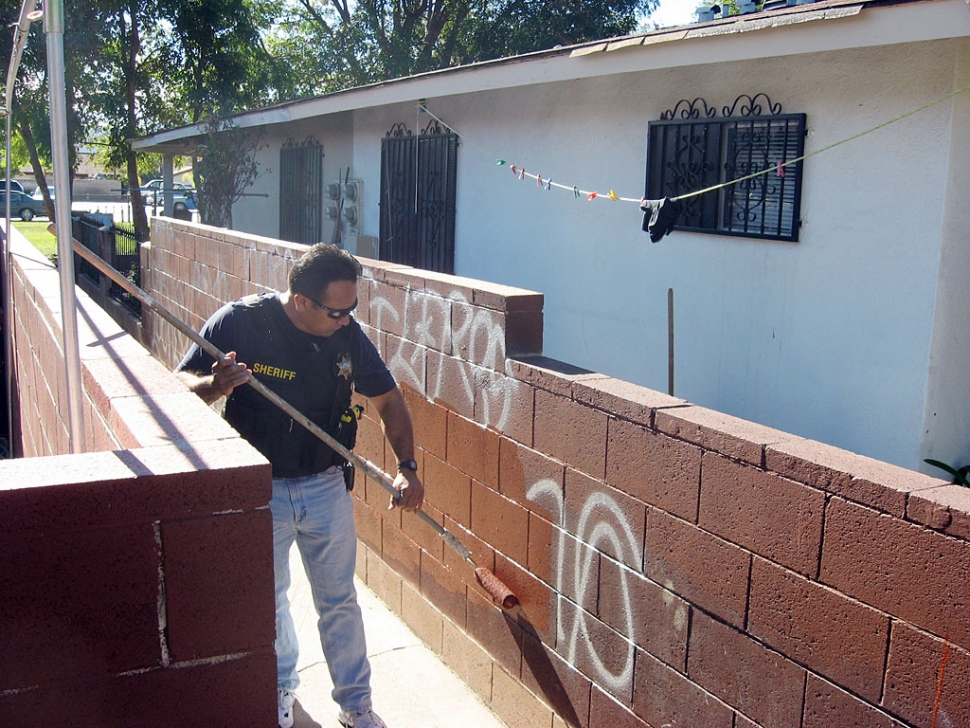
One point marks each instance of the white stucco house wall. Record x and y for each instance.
(857, 335)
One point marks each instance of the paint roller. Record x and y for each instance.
(499, 592)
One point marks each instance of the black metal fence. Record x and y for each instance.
(115, 245)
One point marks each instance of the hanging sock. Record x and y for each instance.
(659, 217)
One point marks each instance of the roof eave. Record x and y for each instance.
(782, 32)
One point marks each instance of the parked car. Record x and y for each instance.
(23, 206)
(14, 185)
(39, 194)
(183, 198)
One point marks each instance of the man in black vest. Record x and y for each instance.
(304, 344)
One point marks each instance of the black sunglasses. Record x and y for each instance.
(334, 313)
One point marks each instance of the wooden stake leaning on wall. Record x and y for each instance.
(670, 341)
(500, 593)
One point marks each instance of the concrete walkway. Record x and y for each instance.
(412, 687)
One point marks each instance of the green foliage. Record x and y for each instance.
(961, 476)
(337, 44)
(19, 157)
(133, 67)
(226, 169)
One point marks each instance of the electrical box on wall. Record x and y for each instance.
(343, 209)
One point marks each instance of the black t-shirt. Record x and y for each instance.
(314, 374)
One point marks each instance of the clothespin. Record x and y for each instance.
(499, 162)
(515, 169)
(548, 184)
(575, 191)
(522, 173)
(779, 168)
(613, 196)
(591, 196)
(538, 180)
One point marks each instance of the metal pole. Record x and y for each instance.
(54, 27)
(28, 14)
(670, 341)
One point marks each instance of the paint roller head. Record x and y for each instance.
(500, 593)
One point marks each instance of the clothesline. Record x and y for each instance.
(548, 183)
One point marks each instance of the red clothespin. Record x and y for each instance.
(514, 169)
(591, 196)
(779, 168)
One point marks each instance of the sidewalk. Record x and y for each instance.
(412, 687)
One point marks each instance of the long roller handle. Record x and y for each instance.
(499, 592)
(361, 462)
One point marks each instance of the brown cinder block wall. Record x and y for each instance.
(676, 566)
(136, 579)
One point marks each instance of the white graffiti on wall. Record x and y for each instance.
(600, 522)
(429, 323)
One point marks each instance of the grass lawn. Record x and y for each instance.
(36, 233)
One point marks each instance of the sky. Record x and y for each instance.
(675, 12)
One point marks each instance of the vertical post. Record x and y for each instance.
(670, 341)
(54, 27)
(168, 184)
(28, 14)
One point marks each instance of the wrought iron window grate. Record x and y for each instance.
(690, 148)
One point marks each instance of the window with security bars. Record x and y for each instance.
(747, 151)
(301, 191)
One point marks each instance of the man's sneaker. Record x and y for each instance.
(362, 719)
(285, 707)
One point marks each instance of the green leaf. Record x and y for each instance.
(959, 476)
(942, 466)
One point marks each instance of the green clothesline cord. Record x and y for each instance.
(824, 149)
(768, 170)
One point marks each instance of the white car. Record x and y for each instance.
(183, 198)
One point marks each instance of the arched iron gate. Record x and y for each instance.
(417, 201)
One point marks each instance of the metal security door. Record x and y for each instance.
(301, 191)
(418, 194)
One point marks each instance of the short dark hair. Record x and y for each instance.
(320, 266)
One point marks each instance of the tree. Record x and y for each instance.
(226, 168)
(217, 60)
(18, 153)
(337, 43)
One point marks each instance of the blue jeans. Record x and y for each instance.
(318, 513)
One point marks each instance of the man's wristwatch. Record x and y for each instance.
(408, 465)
